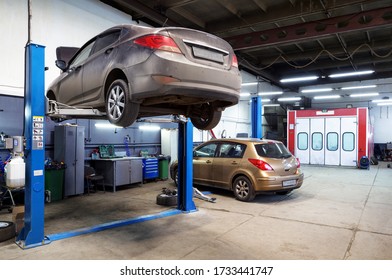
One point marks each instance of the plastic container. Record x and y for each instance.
(15, 173)
(54, 184)
(163, 166)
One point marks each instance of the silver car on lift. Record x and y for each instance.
(130, 71)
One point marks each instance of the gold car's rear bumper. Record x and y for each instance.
(275, 183)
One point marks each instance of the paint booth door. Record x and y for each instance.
(332, 141)
(302, 140)
(317, 141)
(348, 141)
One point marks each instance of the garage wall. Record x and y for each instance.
(53, 23)
(382, 116)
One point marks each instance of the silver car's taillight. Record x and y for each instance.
(234, 61)
(159, 42)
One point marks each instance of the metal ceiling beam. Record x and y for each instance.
(280, 13)
(361, 21)
(146, 11)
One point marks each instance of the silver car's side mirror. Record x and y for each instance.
(61, 64)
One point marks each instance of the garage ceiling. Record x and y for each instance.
(277, 39)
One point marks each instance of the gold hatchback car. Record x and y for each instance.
(245, 166)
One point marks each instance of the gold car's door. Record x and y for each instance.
(203, 158)
(226, 162)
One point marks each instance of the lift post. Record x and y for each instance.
(256, 117)
(185, 167)
(32, 234)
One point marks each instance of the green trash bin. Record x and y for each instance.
(163, 167)
(54, 184)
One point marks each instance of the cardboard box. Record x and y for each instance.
(18, 217)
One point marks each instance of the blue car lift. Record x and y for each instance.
(256, 114)
(32, 234)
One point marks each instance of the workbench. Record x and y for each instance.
(119, 171)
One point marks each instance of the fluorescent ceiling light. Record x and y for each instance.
(271, 105)
(359, 87)
(351, 74)
(384, 104)
(327, 96)
(270, 93)
(106, 125)
(265, 100)
(299, 79)
(316, 90)
(149, 127)
(245, 94)
(289, 99)
(364, 94)
(249, 84)
(381, 100)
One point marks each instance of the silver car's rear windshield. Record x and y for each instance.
(272, 150)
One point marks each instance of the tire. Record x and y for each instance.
(166, 200)
(205, 117)
(175, 176)
(373, 160)
(119, 110)
(7, 230)
(243, 189)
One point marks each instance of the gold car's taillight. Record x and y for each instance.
(159, 42)
(260, 164)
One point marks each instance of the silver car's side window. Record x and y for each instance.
(83, 55)
(106, 40)
(206, 151)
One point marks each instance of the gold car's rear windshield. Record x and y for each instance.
(272, 150)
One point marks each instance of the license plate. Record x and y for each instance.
(289, 183)
(207, 54)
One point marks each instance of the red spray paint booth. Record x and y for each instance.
(330, 137)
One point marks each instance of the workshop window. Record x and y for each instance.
(302, 141)
(332, 141)
(317, 141)
(348, 141)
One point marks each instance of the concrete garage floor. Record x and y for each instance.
(339, 213)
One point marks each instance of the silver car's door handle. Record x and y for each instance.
(108, 50)
(208, 161)
(234, 163)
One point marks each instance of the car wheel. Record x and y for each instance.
(205, 116)
(7, 230)
(175, 176)
(119, 110)
(243, 189)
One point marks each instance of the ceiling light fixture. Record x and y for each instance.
(249, 84)
(299, 79)
(245, 94)
(364, 94)
(327, 97)
(384, 104)
(316, 90)
(271, 105)
(359, 87)
(106, 125)
(149, 127)
(351, 74)
(381, 100)
(289, 99)
(265, 100)
(270, 93)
